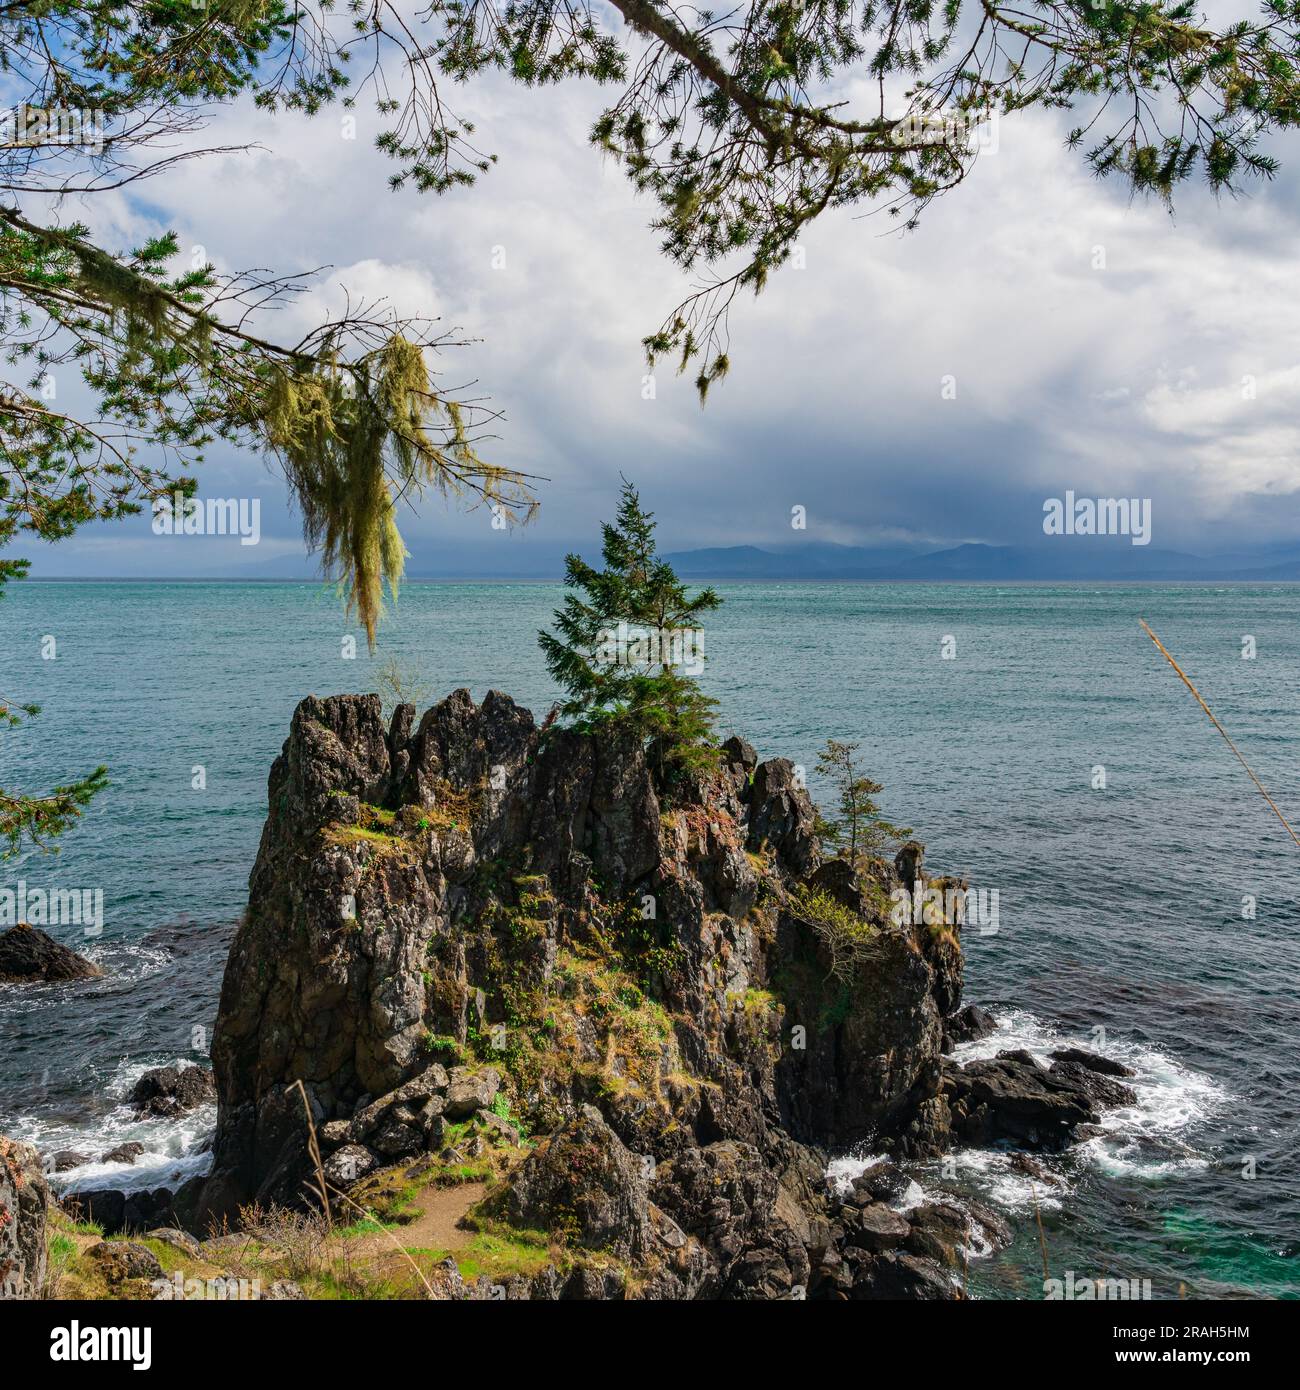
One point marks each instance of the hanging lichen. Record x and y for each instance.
(348, 436)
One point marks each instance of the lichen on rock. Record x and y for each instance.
(532, 956)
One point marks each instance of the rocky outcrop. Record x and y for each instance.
(167, 1092)
(1093, 1061)
(30, 956)
(466, 924)
(584, 1182)
(968, 1025)
(125, 1259)
(63, 1160)
(123, 1153)
(114, 1210)
(24, 1204)
(1013, 1099)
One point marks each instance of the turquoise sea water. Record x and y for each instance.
(1121, 909)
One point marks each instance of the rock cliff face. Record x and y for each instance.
(24, 1202)
(467, 929)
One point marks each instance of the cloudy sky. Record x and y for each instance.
(1125, 380)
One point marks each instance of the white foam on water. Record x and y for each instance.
(841, 1172)
(1016, 1031)
(999, 1181)
(129, 962)
(175, 1150)
(1143, 1140)
(914, 1195)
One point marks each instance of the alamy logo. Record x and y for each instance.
(1096, 1290)
(53, 907)
(935, 907)
(1098, 516)
(631, 645)
(970, 130)
(179, 515)
(40, 126)
(221, 1289)
(77, 1343)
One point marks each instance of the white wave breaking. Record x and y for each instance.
(1147, 1140)
(175, 1150)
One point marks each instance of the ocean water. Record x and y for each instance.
(1153, 919)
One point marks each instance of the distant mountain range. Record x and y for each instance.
(1073, 558)
(1063, 559)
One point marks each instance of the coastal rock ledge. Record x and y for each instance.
(480, 951)
(31, 956)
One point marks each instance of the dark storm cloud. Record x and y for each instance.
(1037, 333)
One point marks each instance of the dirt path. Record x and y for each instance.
(436, 1229)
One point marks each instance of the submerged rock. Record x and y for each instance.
(167, 1092)
(64, 1160)
(124, 1153)
(30, 956)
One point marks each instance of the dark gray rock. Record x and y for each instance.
(909, 864)
(1093, 1061)
(1104, 1091)
(421, 885)
(469, 1091)
(752, 1226)
(116, 1212)
(904, 1276)
(333, 1134)
(741, 760)
(969, 1025)
(938, 1231)
(875, 1227)
(397, 1140)
(124, 1153)
(64, 1160)
(167, 1092)
(882, 1182)
(30, 956)
(285, 1290)
(497, 1128)
(1012, 1099)
(584, 1181)
(782, 816)
(349, 1165)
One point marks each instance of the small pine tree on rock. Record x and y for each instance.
(857, 828)
(625, 638)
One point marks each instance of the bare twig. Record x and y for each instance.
(1182, 675)
(321, 1189)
